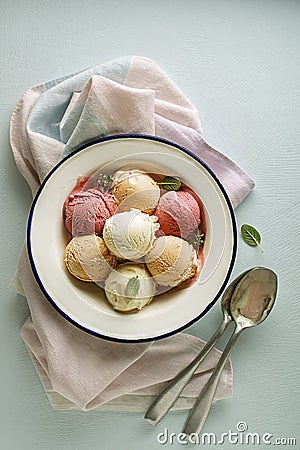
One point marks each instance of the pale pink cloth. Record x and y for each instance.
(127, 95)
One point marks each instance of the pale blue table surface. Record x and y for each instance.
(238, 62)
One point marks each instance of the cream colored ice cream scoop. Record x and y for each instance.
(129, 287)
(171, 261)
(88, 259)
(130, 235)
(135, 189)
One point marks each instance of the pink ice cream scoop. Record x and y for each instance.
(85, 211)
(178, 213)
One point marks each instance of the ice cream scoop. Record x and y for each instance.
(178, 213)
(171, 261)
(88, 259)
(135, 189)
(85, 211)
(129, 287)
(130, 235)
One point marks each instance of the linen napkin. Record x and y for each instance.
(125, 95)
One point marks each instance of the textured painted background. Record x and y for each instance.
(238, 61)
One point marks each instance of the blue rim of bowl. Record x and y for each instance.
(151, 138)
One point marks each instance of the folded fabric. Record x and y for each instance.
(126, 95)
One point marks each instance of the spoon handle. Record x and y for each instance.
(165, 400)
(200, 410)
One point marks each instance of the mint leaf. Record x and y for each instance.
(170, 183)
(251, 236)
(133, 286)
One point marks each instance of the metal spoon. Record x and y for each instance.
(251, 303)
(167, 397)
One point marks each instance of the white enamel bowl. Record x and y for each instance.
(84, 304)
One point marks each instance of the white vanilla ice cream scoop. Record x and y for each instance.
(129, 287)
(130, 235)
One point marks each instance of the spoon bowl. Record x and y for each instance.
(227, 296)
(254, 297)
